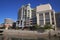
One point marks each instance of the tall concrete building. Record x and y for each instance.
(24, 16)
(45, 15)
(58, 20)
(41, 15)
(34, 18)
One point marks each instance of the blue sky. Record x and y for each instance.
(9, 8)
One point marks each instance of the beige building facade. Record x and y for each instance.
(8, 22)
(45, 15)
(24, 16)
(41, 15)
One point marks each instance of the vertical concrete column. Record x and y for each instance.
(22, 13)
(50, 17)
(54, 20)
(38, 17)
(22, 18)
(30, 13)
(27, 11)
(44, 17)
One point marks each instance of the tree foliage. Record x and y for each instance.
(36, 26)
(47, 26)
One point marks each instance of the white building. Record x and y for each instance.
(45, 15)
(41, 15)
(24, 16)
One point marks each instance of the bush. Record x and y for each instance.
(47, 26)
(36, 27)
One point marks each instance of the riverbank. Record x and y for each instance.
(26, 34)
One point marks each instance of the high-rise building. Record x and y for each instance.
(24, 16)
(45, 15)
(41, 15)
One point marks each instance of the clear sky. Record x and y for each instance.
(9, 8)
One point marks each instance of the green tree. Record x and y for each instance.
(36, 26)
(47, 26)
(17, 28)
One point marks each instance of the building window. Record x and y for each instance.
(25, 12)
(52, 22)
(41, 16)
(18, 22)
(21, 22)
(47, 15)
(28, 12)
(47, 22)
(52, 13)
(41, 22)
(47, 19)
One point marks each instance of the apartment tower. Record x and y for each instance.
(24, 16)
(41, 15)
